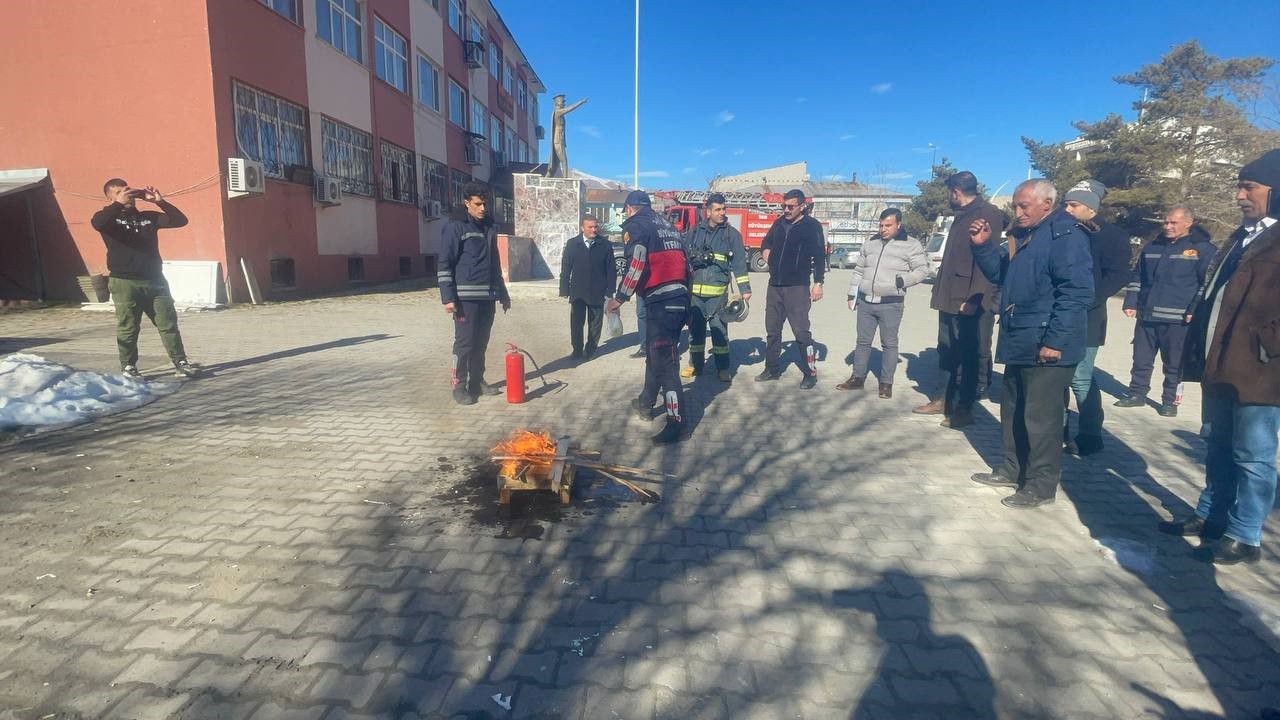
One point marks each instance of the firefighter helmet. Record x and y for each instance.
(735, 311)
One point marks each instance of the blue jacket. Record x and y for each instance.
(1168, 275)
(1048, 287)
(470, 268)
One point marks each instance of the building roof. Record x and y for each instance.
(789, 173)
(815, 189)
(15, 181)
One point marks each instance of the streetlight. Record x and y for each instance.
(934, 162)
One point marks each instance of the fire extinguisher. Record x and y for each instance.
(515, 374)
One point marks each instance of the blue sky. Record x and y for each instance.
(863, 87)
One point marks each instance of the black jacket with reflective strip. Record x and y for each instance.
(470, 268)
(1168, 275)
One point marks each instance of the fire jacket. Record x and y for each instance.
(1168, 274)
(716, 254)
(469, 265)
(657, 268)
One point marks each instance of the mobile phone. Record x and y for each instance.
(137, 193)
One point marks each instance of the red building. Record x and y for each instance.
(396, 102)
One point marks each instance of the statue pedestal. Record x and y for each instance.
(548, 212)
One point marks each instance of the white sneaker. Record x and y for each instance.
(131, 371)
(182, 368)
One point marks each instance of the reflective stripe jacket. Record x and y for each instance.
(657, 268)
(1167, 277)
(716, 254)
(469, 265)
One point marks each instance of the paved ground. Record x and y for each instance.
(310, 532)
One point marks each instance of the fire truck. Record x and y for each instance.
(751, 214)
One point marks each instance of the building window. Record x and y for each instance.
(457, 105)
(283, 276)
(476, 31)
(507, 78)
(287, 8)
(406, 266)
(495, 133)
(457, 181)
(355, 269)
(270, 130)
(435, 181)
(455, 16)
(435, 4)
(478, 116)
(533, 109)
(522, 94)
(428, 83)
(495, 61)
(399, 176)
(391, 58)
(340, 26)
(348, 156)
(511, 145)
(524, 151)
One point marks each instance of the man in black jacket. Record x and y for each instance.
(1170, 271)
(587, 275)
(470, 279)
(793, 248)
(1109, 248)
(137, 282)
(965, 300)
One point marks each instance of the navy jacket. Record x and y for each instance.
(588, 274)
(1168, 275)
(1109, 246)
(657, 267)
(795, 250)
(469, 265)
(1047, 290)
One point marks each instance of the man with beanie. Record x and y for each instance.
(719, 259)
(587, 276)
(889, 263)
(1109, 249)
(1170, 270)
(658, 272)
(1233, 350)
(793, 248)
(965, 300)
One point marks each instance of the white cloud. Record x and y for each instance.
(704, 153)
(591, 130)
(739, 151)
(847, 136)
(723, 117)
(690, 169)
(881, 88)
(897, 175)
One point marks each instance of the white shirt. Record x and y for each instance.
(1253, 231)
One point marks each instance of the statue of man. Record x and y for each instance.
(559, 156)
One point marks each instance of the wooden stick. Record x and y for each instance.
(620, 468)
(642, 492)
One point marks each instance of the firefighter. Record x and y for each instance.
(470, 283)
(717, 255)
(658, 271)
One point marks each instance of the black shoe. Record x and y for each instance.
(766, 375)
(638, 353)
(993, 479)
(1228, 552)
(1071, 448)
(642, 412)
(886, 391)
(485, 389)
(1025, 501)
(672, 432)
(576, 355)
(1131, 401)
(809, 382)
(1185, 528)
(1168, 410)
(957, 420)
(1086, 445)
(462, 397)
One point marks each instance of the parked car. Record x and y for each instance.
(937, 243)
(844, 255)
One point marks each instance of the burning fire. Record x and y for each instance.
(525, 447)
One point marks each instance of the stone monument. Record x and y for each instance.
(548, 210)
(559, 165)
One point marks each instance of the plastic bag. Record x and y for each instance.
(614, 321)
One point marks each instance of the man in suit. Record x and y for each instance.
(587, 276)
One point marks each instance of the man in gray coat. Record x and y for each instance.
(888, 265)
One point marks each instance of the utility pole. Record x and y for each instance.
(635, 168)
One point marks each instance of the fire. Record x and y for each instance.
(525, 447)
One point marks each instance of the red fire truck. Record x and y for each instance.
(751, 214)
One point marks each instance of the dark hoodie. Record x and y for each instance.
(470, 268)
(132, 238)
(1168, 275)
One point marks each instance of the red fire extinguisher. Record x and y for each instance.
(515, 374)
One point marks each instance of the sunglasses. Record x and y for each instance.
(789, 207)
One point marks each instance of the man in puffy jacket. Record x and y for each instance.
(717, 255)
(1170, 270)
(470, 278)
(889, 263)
(658, 272)
(1047, 286)
(1109, 249)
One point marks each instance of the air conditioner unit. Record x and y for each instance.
(499, 158)
(472, 153)
(328, 190)
(432, 209)
(245, 177)
(474, 53)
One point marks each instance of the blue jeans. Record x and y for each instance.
(1240, 466)
(1088, 398)
(641, 326)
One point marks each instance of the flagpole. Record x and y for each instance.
(635, 168)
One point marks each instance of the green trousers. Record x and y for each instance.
(135, 298)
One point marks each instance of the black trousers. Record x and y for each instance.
(1031, 407)
(704, 314)
(472, 322)
(664, 320)
(964, 358)
(791, 304)
(593, 316)
(1166, 339)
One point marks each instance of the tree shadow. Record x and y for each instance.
(18, 344)
(294, 352)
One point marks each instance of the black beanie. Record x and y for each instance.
(1264, 171)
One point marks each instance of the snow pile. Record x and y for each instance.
(1136, 557)
(36, 394)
